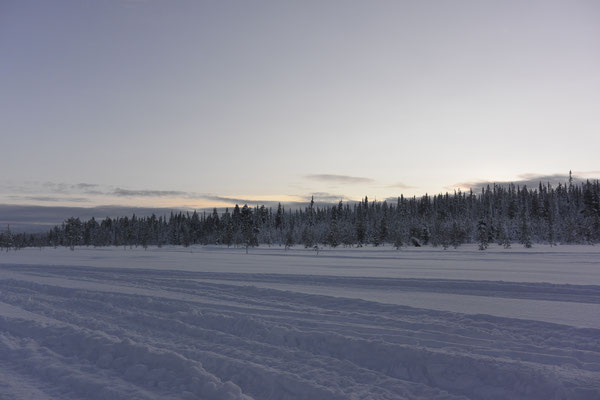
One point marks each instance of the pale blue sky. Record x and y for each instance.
(184, 103)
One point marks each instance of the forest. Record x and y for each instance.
(507, 215)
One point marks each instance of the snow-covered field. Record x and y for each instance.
(216, 323)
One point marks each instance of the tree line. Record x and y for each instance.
(506, 215)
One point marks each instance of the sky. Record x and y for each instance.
(192, 104)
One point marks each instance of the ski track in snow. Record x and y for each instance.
(189, 332)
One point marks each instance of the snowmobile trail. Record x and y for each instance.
(69, 332)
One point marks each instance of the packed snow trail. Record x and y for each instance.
(127, 332)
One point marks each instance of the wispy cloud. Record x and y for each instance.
(95, 194)
(400, 185)
(85, 185)
(339, 178)
(54, 187)
(319, 198)
(81, 192)
(324, 197)
(235, 200)
(528, 179)
(50, 199)
(34, 187)
(57, 192)
(147, 193)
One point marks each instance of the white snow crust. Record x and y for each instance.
(370, 323)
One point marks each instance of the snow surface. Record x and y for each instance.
(216, 323)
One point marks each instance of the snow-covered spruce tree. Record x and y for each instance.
(333, 234)
(591, 211)
(227, 229)
(482, 234)
(361, 231)
(347, 234)
(73, 232)
(504, 236)
(289, 238)
(458, 235)
(249, 229)
(307, 237)
(383, 230)
(425, 234)
(397, 234)
(525, 231)
(279, 217)
(6, 239)
(443, 235)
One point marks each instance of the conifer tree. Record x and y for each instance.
(289, 238)
(525, 232)
(307, 237)
(333, 235)
(249, 229)
(482, 234)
